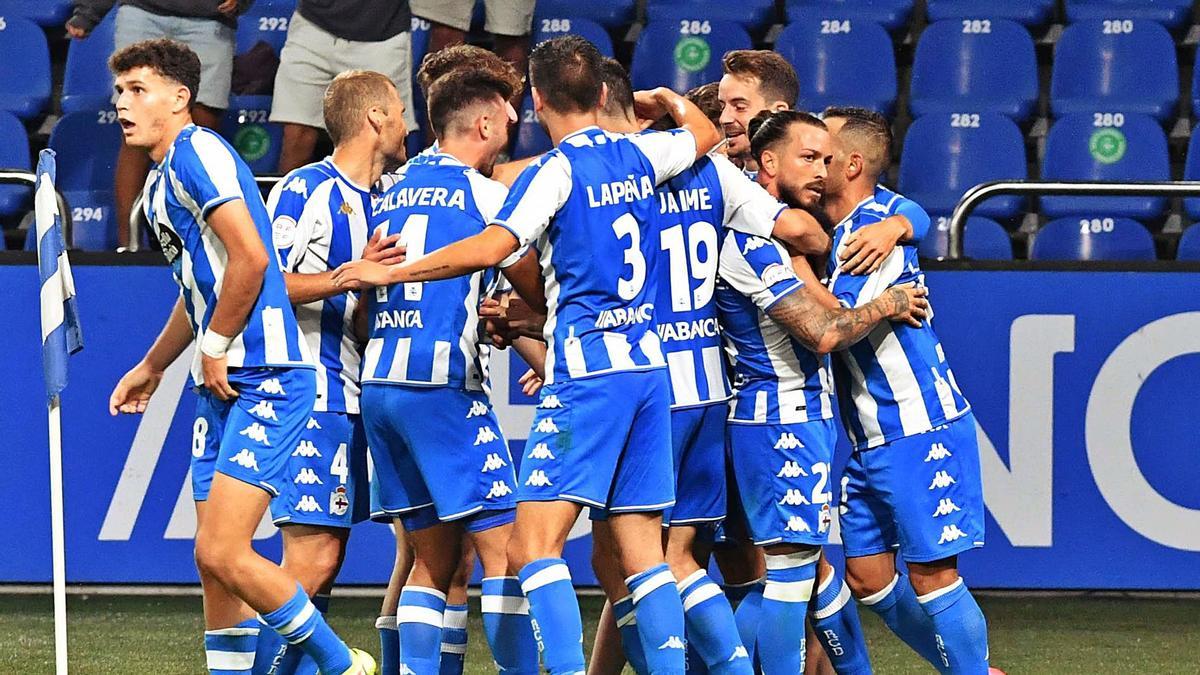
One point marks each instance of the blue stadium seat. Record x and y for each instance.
(546, 28)
(1093, 239)
(1078, 149)
(1170, 13)
(1191, 171)
(25, 79)
(1027, 12)
(48, 13)
(751, 14)
(87, 144)
(255, 139)
(87, 83)
(611, 14)
(420, 45)
(1115, 65)
(1189, 245)
(975, 65)
(14, 154)
(891, 14)
(947, 154)
(985, 240)
(695, 50)
(531, 138)
(841, 61)
(266, 21)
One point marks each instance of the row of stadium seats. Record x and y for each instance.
(1108, 239)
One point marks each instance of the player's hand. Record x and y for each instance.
(649, 106)
(361, 274)
(76, 32)
(384, 250)
(530, 383)
(216, 377)
(228, 7)
(493, 314)
(132, 393)
(909, 304)
(867, 248)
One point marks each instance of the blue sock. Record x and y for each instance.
(631, 640)
(454, 640)
(789, 587)
(270, 649)
(960, 628)
(747, 614)
(553, 605)
(659, 619)
(711, 630)
(897, 605)
(419, 620)
(835, 621)
(507, 626)
(299, 622)
(389, 645)
(231, 651)
(296, 662)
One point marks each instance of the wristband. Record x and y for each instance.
(214, 345)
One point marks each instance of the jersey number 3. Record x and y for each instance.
(627, 226)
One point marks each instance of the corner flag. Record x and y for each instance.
(60, 318)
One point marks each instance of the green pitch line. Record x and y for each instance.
(121, 635)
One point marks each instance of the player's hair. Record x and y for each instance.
(566, 73)
(770, 128)
(349, 97)
(172, 60)
(459, 57)
(454, 97)
(867, 133)
(708, 101)
(776, 77)
(620, 89)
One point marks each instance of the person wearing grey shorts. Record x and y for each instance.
(509, 22)
(327, 37)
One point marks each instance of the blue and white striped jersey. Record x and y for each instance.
(589, 208)
(387, 180)
(319, 221)
(895, 382)
(199, 173)
(778, 380)
(897, 204)
(695, 208)
(427, 333)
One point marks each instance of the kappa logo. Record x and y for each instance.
(492, 463)
(793, 498)
(478, 409)
(308, 504)
(951, 533)
(673, 642)
(547, 426)
(312, 424)
(265, 410)
(753, 244)
(499, 489)
(405, 670)
(942, 479)
(257, 433)
(537, 478)
(738, 653)
(541, 451)
(298, 186)
(485, 435)
(245, 459)
(797, 524)
(307, 477)
(339, 502)
(937, 452)
(272, 386)
(550, 401)
(788, 441)
(945, 507)
(306, 449)
(791, 470)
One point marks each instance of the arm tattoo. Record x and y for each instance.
(824, 330)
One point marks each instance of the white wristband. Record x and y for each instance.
(214, 345)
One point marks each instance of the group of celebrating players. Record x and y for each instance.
(678, 292)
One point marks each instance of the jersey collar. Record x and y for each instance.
(578, 132)
(342, 175)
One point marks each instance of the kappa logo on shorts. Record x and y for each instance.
(257, 433)
(794, 498)
(499, 489)
(405, 670)
(306, 449)
(942, 479)
(339, 503)
(547, 426)
(738, 653)
(541, 451)
(492, 463)
(312, 424)
(673, 642)
(307, 477)
(537, 478)
(245, 459)
(797, 524)
(791, 470)
(945, 507)
(478, 409)
(788, 441)
(937, 451)
(951, 533)
(551, 401)
(272, 386)
(485, 435)
(308, 504)
(265, 410)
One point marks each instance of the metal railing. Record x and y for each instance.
(20, 177)
(1023, 188)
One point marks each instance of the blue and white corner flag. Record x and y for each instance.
(60, 318)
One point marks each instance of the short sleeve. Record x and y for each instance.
(669, 152)
(748, 207)
(758, 268)
(489, 197)
(285, 205)
(207, 171)
(857, 290)
(916, 216)
(536, 196)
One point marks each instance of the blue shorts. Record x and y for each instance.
(604, 442)
(252, 437)
(922, 494)
(439, 455)
(698, 447)
(782, 473)
(328, 474)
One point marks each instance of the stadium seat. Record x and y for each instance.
(891, 14)
(48, 13)
(1191, 171)
(1115, 65)
(1170, 13)
(255, 139)
(1027, 12)
(841, 61)
(531, 137)
(266, 21)
(420, 45)
(947, 154)
(87, 83)
(695, 49)
(985, 240)
(975, 65)
(751, 14)
(611, 14)
(1189, 245)
(1093, 239)
(1134, 148)
(14, 154)
(25, 81)
(547, 28)
(87, 144)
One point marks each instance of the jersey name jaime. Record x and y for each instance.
(895, 382)
(199, 173)
(589, 209)
(427, 333)
(695, 208)
(319, 220)
(778, 380)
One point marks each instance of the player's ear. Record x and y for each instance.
(183, 100)
(768, 163)
(375, 117)
(603, 95)
(537, 100)
(854, 166)
(779, 105)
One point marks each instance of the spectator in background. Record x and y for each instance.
(509, 21)
(208, 27)
(326, 37)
